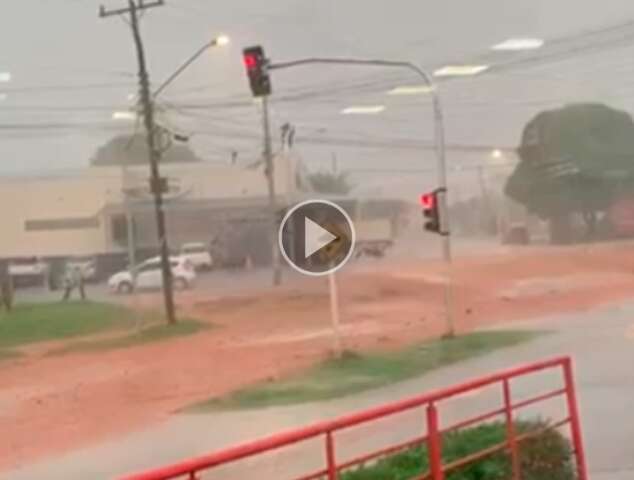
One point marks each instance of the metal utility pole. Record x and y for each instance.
(157, 184)
(269, 172)
(439, 134)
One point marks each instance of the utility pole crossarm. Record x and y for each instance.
(103, 13)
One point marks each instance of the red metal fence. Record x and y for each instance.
(190, 469)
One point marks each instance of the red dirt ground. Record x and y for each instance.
(52, 404)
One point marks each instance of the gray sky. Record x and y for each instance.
(71, 70)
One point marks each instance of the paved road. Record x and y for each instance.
(240, 281)
(601, 341)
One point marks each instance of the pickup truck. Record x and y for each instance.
(374, 237)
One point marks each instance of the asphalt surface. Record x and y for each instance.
(240, 280)
(601, 342)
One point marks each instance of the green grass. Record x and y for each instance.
(546, 456)
(31, 323)
(355, 373)
(154, 333)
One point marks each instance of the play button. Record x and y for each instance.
(316, 237)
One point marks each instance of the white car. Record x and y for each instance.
(148, 275)
(198, 254)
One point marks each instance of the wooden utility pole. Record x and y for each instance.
(157, 184)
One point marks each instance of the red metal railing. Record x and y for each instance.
(433, 437)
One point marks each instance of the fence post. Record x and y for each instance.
(434, 444)
(510, 430)
(575, 423)
(330, 457)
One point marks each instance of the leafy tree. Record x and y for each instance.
(132, 150)
(573, 160)
(326, 182)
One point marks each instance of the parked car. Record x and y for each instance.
(148, 275)
(198, 254)
(28, 270)
(87, 265)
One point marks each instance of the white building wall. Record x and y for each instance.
(41, 216)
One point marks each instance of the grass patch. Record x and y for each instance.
(31, 323)
(546, 456)
(357, 373)
(154, 333)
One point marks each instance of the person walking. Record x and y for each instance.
(74, 279)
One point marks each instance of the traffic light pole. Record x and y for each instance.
(269, 172)
(439, 135)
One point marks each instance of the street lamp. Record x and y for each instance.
(222, 40)
(219, 41)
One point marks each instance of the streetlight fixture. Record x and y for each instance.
(219, 41)
(222, 40)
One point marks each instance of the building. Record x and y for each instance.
(108, 212)
(93, 211)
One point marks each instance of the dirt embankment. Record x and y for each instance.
(52, 404)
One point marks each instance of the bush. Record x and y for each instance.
(544, 457)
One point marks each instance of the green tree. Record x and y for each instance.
(327, 182)
(573, 160)
(132, 150)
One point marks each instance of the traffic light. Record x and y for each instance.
(257, 69)
(431, 211)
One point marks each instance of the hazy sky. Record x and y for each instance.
(71, 70)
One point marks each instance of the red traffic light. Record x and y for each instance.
(250, 61)
(256, 65)
(428, 200)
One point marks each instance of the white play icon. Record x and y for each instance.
(315, 237)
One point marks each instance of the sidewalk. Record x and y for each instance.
(600, 341)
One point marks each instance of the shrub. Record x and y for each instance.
(547, 456)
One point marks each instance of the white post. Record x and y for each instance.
(334, 314)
